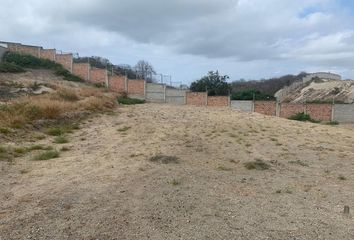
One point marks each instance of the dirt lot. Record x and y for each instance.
(178, 172)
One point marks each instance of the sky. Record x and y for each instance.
(245, 39)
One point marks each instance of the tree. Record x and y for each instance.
(144, 70)
(214, 83)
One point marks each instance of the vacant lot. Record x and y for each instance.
(168, 172)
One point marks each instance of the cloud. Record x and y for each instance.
(231, 32)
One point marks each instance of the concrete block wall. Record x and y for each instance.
(82, 70)
(98, 76)
(175, 96)
(265, 107)
(66, 60)
(343, 113)
(196, 98)
(218, 101)
(246, 106)
(48, 54)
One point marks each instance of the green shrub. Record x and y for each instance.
(303, 117)
(332, 123)
(61, 140)
(257, 165)
(28, 61)
(46, 155)
(10, 68)
(130, 101)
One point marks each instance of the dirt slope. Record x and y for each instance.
(106, 187)
(323, 91)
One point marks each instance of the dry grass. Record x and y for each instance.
(25, 110)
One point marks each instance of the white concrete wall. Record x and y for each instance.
(175, 96)
(343, 113)
(246, 106)
(155, 92)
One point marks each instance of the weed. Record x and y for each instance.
(68, 95)
(55, 131)
(4, 131)
(278, 191)
(301, 116)
(223, 168)
(60, 140)
(299, 162)
(257, 165)
(123, 129)
(10, 68)
(46, 155)
(129, 101)
(175, 182)
(65, 149)
(341, 177)
(164, 159)
(332, 123)
(20, 150)
(39, 147)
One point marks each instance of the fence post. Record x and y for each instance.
(126, 84)
(144, 89)
(206, 98)
(277, 109)
(333, 110)
(164, 93)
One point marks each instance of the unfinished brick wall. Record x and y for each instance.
(117, 83)
(196, 98)
(321, 112)
(289, 109)
(265, 107)
(218, 101)
(66, 60)
(28, 50)
(136, 87)
(99, 76)
(48, 54)
(82, 70)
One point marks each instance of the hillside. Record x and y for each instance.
(322, 90)
(266, 86)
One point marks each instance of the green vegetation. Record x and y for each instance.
(4, 131)
(303, 117)
(332, 123)
(214, 83)
(28, 61)
(164, 159)
(257, 165)
(123, 129)
(62, 129)
(175, 182)
(7, 67)
(60, 140)
(46, 155)
(251, 94)
(129, 101)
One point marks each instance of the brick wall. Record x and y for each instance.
(98, 75)
(322, 112)
(265, 107)
(136, 87)
(117, 83)
(289, 109)
(48, 54)
(29, 50)
(218, 101)
(196, 98)
(82, 70)
(66, 60)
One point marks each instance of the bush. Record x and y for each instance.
(28, 61)
(10, 68)
(130, 101)
(46, 155)
(303, 117)
(257, 165)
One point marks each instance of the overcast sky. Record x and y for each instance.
(249, 39)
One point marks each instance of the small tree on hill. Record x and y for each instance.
(214, 83)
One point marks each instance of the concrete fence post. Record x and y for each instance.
(106, 80)
(206, 98)
(126, 84)
(253, 106)
(164, 93)
(145, 89)
(333, 112)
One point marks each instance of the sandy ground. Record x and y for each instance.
(106, 187)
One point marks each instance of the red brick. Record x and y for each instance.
(289, 109)
(117, 83)
(265, 107)
(136, 87)
(48, 54)
(218, 101)
(196, 98)
(321, 112)
(66, 60)
(99, 76)
(82, 70)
